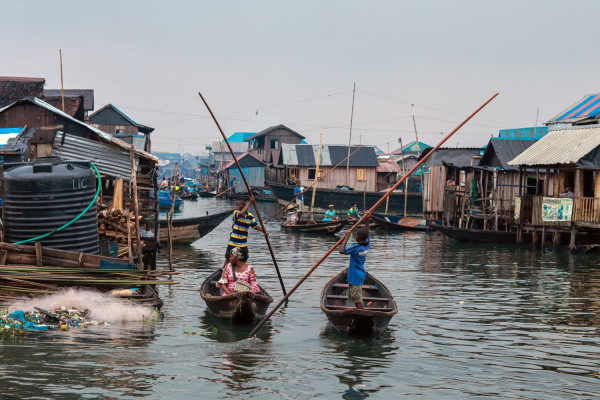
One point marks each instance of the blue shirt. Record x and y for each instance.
(298, 189)
(329, 214)
(239, 229)
(356, 268)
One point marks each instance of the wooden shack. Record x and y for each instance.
(559, 187)
(266, 146)
(444, 179)
(300, 160)
(253, 169)
(112, 120)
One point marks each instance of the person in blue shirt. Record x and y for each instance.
(242, 221)
(329, 214)
(353, 212)
(300, 199)
(356, 269)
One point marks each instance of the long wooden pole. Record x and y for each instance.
(308, 188)
(366, 215)
(404, 172)
(412, 111)
(249, 192)
(314, 193)
(62, 90)
(350, 137)
(170, 215)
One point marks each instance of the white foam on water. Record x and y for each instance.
(102, 307)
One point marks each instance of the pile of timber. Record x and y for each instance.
(118, 225)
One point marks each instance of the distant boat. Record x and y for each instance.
(399, 223)
(164, 199)
(344, 199)
(188, 230)
(242, 308)
(189, 196)
(476, 235)
(373, 320)
(329, 227)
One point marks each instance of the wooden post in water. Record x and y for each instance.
(136, 207)
(237, 163)
(366, 215)
(314, 193)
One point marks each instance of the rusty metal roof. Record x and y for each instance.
(575, 146)
(389, 166)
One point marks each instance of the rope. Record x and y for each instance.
(99, 186)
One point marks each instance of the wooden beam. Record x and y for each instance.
(118, 194)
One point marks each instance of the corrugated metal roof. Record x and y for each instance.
(305, 155)
(460, 157)
(221, 147)
(109, 161)
(564, 146)
(246, 160)
(273, 128)
(238, 137)
(506, 150)
(390, 166)
(588, 106)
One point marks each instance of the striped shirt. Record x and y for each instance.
(239, 229)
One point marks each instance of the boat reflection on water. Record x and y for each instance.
(360, 359)
(228, 332)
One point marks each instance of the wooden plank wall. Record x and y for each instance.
(338, 177)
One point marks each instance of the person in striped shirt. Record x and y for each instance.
(242, 221)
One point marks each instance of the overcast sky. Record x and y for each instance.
(263, 63)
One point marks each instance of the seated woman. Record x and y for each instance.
(237, 269)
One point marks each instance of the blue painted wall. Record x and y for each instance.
(254, 175)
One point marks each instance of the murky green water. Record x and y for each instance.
(475, 321)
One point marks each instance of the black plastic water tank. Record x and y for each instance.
(43, 195)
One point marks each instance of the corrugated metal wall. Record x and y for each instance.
(109, 159)
(254, 176)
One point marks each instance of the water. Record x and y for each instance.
(474, 321)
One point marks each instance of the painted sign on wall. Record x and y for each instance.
(556, 209)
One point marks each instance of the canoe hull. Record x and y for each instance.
(243, 308)
(188, 230)
(328, 227)
(395, 223)
(373, 320)
(476, 235)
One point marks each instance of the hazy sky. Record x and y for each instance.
(295, 63)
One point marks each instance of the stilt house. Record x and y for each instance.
(562, 194)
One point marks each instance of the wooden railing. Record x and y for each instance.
(587, 209)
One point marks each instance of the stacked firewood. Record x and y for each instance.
(117, 225)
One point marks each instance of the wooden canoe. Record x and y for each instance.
(397, 223)
(373, 320)
(329, 227)
(188, 230)
(242, 309)
(476, 235)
